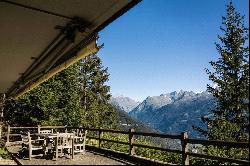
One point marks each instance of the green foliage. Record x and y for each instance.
(236, 153)
(3, 152)
(19, 113)
(230, 120)
(54, 102)
(156, 154)
(58, 98)
(114, 146)
(95, 96)
(76, 96)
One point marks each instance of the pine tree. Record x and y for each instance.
(54, 102)
(230, 119)
(95, 96)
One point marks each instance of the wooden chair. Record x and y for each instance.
(43, 132)
(32, 146)
(63, 145)
(80, 141)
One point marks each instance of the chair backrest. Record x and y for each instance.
(45, 131)
(82, 134)
(25, 139)
(64, 139)
(81, 137)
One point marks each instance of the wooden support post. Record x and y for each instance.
(100, 136)
(38, 129)
(56, 145)
(8, 134)
(30, 146)
(131, 141)
(1, 131)
(185, 157)
(84, 141)
(77, 132)
(73, 146)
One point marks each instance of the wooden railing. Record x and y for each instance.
(132, 134)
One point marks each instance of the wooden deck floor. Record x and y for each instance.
(89, 158)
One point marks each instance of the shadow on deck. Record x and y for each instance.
(88, 158)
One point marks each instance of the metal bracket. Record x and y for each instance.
(76, 24)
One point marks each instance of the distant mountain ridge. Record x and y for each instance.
(153, 103)
(170, 113)
(156, 102)
(124, 103)
(175, 112)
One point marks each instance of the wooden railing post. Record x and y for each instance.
(131, 141)
(30, 146)
(1, 131)
(77, 132)
(38, 128)
(66, 130)
(73, 146)
(56, 146)
(84, 141)
(8, 134)
(185, 157)
(99, 136)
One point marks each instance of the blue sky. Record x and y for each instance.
(160, 46)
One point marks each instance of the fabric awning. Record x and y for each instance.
(40, 38)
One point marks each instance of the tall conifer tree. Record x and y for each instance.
(230, 120)
(95, 96)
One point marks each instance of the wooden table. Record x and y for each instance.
(50, 137)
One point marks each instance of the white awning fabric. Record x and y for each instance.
(42, 37)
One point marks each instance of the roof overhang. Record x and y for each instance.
(42, 37)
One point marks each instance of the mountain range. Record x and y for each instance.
(127, 122)
(124, 103)
(170, 113)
